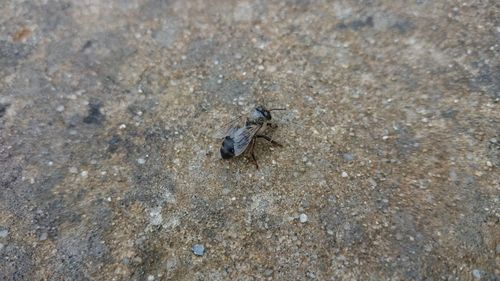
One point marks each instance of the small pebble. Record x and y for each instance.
(43, 236)
(4, 233)
(348, 157)
(303, 218)
(488, 163)
(476, 273)
(344, 175)
(151, 278)
(73, 170)
(60, 108)
(84, 174)
(372, 182)
(141, 161)
(198, 250)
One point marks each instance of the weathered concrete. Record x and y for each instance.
(108, 168)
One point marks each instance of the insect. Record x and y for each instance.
(240, 134)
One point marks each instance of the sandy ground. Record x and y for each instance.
(389, 170)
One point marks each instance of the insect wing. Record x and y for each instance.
(230, 127)
(243, 136)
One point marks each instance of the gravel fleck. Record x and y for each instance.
(399, 236)
(476, 273)
(344, 175)
(155, 216)
(4, 233)
(198, 250)
(141, 161)
(43, 236)
(348, 157)
(372, 182)
(303, 218)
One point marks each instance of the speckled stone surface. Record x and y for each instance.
(389, 170)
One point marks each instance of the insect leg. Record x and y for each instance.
(254, 159)
(269, 140)
(272, 125)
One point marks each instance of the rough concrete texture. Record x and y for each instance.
(389, 170)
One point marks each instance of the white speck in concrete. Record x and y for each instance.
(344, 175)
(155, 217)
(84, 174)
(141, 161)
(476, 273)
(303, 218)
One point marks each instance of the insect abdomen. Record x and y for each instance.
(227, 149)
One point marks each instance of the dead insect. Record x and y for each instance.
(240, 134)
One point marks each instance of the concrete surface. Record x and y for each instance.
(109, 171)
